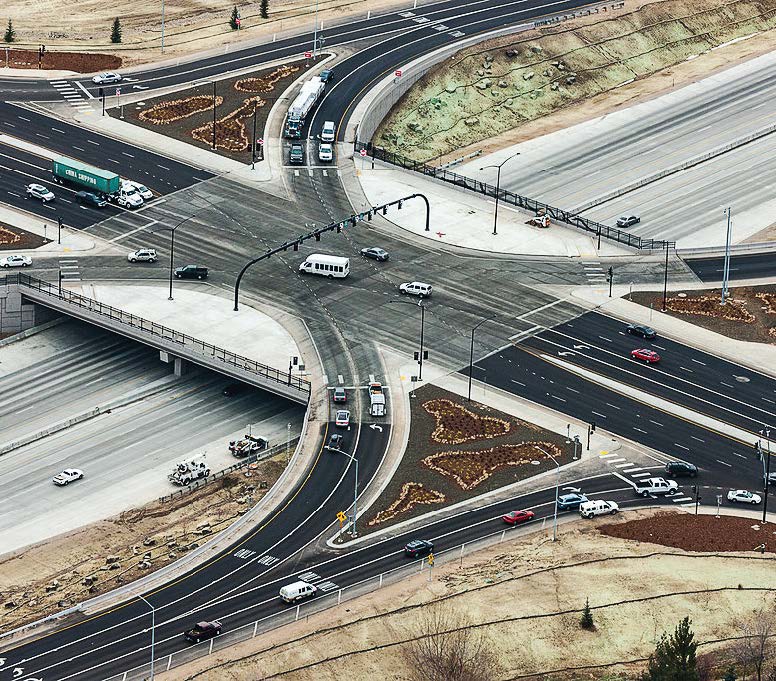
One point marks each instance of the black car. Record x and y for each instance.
(375, 253)
(335, 441)
(641, 331)
(418, 547)
(202, 631)
(570, 502)
(296, 155)
(191, 272)
(91, 199)
(681, 468)
(327, 75)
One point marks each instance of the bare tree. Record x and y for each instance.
(447, 648)
(756, 646)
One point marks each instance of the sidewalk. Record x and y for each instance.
(73, 241)
(465, 219)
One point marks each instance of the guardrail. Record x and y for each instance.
(242, 463)
(597, 229)
(330, 599)
(158, 331)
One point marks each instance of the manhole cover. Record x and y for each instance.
(535, 463)
(741, 379)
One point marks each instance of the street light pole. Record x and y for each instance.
(315, 33)
(766, 470)
(665, 280)
(471, 356)
(171, 230)
(726, 267)
(498, 185)
(153, 632)
(214, 115)
(422, 330)
(355, 488)
(557, 486)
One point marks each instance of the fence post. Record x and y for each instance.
(255, 628)
(503, 536)
(461, 563)
(339, 597)
(381, 581)
(210, 652)
(169, 662)
(297, 613)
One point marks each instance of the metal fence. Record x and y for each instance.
(332, 598)
(242, 463)
(159, 331)
(597, 229)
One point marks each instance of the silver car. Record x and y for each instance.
(38, 191)
(143, 255)
(107, 78)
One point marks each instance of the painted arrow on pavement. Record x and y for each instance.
(374, 426)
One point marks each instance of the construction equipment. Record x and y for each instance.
(248, 445)
(303, 104)
(376, 399)
(188, 471)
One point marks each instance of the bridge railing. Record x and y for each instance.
(597, 229)
(155, 330)
(332, 598)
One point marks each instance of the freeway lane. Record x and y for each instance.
(722, 459)
(754, 266)
(685, 375)
(229, 578)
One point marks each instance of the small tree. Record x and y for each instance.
(115, 32)
(674, 657)
(754, 649)
(586, 621)
(234, 19)
(264, 9)
(10, 33)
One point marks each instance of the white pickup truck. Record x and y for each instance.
(656, 487)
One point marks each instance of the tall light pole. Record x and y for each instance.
(162, 26)
(171, 230)
(498, 184)
(422, 330)
(355, 487)
(471, 355)
(153, 632)
(557, 486)
(315, 33)
(726, 267)
(766, 469)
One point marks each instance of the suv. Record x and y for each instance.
(335, 441)
(418, 547)
(677, 468)
(571, 502)
(326, 75)
(191, 272)
(628, 220)
(296, 155)
(325, 152)
(328, 131)
(38, 191)
(91, 199)
(143, 255)
(416, 288)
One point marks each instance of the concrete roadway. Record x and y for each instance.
(573, 166)
(685, 376)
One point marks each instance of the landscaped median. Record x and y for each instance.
(458, 450)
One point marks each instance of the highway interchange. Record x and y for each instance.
(347, 319)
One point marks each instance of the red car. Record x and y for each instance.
(648, 356)
(517, 517)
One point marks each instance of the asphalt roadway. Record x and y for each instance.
(753, 266)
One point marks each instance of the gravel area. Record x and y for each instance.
(476, 444)
(62, 61)
(697, 532)
(234, 113)
(752, 319)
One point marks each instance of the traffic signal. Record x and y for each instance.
(609, 274)
(296, 245)
(385, 210)
(400, 202)
(369, 216)
(317, 236)
(592, 426)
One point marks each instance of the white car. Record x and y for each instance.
(141, 189)
(325, 152)
(416, 288)
(67, 476)
(142, 255)
(107, 78)
(38, 191)
(742, 496)
(16, 261)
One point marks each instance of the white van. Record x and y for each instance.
(589, 509)
(328, 131)
(298, 591)
(330, 266)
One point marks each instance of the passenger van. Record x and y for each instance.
(588, 509)
(330, 266)
(291, 593)
(328, 132)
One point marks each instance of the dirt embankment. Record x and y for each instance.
(97, 558)
(518, 87)
(532, 591)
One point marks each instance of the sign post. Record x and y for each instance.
(118, 101)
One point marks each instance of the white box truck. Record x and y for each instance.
(376, 400)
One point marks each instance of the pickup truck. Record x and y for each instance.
(656, 487)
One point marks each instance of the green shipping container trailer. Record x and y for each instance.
(86, 176)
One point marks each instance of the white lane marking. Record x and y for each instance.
(641, 475)
(86, 92)
(640, 430)
(58, 130)
(624, 465)
(656, 423)
(126, 154)
(727, 385)
(613, 406)
(162, 167)
(572, 390)
(558, 398)
(686, 369)
(518, 382)
(678, 499)
(676, 444)
(725, 463)
(597, 414)
(697, 438)
(131, 232)
(22, 118)
(697, 361)
(97, 144)
(608, 340)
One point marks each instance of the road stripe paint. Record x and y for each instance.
(308, 576)
(595, 413)
(697, 361)
(624, 465)
(22, 118)
(767, 400)
(739, 455)
(326, 586)
(58, 130)
(656, 423)
(518, 382)
(615, 460)
(640, 430)
(727, 385)
(97, 144)
(677, 499)
(676, 444)
(607, 455)
(68, 267)
(558, 398)
(572, 389)
(608, 340)
(697, 438)
(162, 167)
(340, 379)
(725, 463)
(198, 179)
(86, 92)
(613, 406)
(686, 369)
(267, 560)
(640, 475)
(126, 154)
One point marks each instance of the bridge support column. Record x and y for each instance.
(179, 364)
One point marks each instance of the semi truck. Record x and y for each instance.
(376, 400)
(68, 170)
(303, 104)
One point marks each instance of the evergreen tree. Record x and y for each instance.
(264, 9)
(10, 33)
(115, 32)
(233, 19)
(586, 622)
(674, 656)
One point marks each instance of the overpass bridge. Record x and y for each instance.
(18, 289)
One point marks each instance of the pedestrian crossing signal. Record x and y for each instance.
(430, 558)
